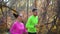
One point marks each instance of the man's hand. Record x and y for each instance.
(36, 25)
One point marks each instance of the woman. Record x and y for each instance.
(18, 26)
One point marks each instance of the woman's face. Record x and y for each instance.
(20, 18)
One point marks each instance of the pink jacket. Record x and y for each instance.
(18, 28)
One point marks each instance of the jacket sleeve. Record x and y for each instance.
(25, 30)
(12, 29)
(28, 24)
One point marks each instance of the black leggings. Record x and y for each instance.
(31, 33)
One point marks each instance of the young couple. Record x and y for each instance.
(19, 28)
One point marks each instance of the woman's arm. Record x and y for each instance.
(25, 31)
(12, 29)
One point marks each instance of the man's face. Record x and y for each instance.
(35, 13)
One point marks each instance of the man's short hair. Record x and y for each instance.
(33, 10)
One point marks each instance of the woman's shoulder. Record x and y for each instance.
(22, 23)
(14, 23)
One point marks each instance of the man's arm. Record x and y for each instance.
(28, 24)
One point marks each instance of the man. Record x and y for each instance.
(32, 22)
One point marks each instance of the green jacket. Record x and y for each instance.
(31, 23)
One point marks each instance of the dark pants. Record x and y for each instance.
(31, 33)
